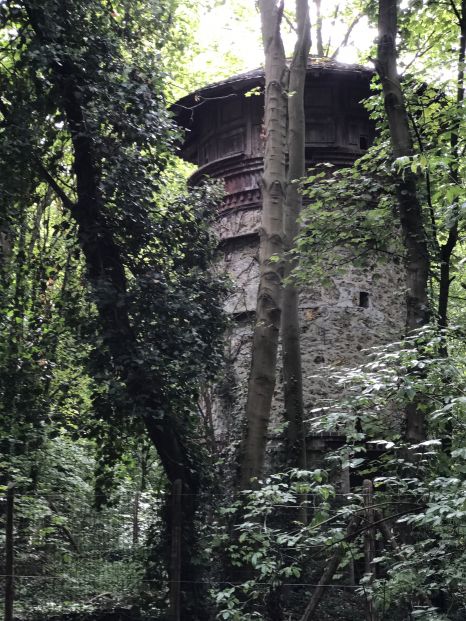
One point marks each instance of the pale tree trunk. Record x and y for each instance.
(266, 331)
(410, 212)
(320, 44)
(290, 332)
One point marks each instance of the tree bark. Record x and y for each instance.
(269, 299)
(320, 44)
(106, 273)
(410, 212)
(330, 569)
(447, 249)
(417, 256)
(369, 546)
(9, 554)
(290, 330)
(175, 553)
(107, 277)
(143, 464)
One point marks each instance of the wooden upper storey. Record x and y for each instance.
(224, 120)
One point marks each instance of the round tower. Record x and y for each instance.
(364, 307)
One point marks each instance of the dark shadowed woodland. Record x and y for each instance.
(232, 311)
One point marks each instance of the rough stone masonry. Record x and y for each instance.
(362, 308)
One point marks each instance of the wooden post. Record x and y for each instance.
(136, 519)
(9, 554)
(175, 560)
(346, 489)
(369, 545)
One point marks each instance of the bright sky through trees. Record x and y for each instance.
(229, 36)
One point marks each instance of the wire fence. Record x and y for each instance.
(69, 555)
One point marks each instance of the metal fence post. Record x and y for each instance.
(175, 564)
(9, 554)
(369, 546)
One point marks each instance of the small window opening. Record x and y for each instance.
(363, 299)
(363, 143)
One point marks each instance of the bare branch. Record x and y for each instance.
(47, 177)
(345, 39)
(456, 12)
(332, 26)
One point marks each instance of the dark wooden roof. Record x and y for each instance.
(243, 82)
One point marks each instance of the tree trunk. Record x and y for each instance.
(106, 275)
(446, 249)
(105, 271)
(143, 464)
(417, 257)
(330, 569)
(269, 298)
(320, 44)
(290, 331)
(175, 552)
(410, 212)
(9, 554)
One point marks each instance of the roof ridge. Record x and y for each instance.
(314, 62)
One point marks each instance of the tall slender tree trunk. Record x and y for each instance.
(269, 300)
(320, 44)
(447, 249)
(143, 464)
(290, 331)
(410, 212)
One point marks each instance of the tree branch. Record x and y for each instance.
(347, 35)
(456, 12)
(47, 177)
(329, 571)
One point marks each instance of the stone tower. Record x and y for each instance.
(362, 308)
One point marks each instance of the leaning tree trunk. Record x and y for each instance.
(269, 303)
(410, 212)
(105, 268)
(106, 275)
(290, 332)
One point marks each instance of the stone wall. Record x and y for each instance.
(361, 308)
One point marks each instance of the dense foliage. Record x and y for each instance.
(111, 322)
(419, 492)
(111, 318)
(405, 539)
(145, 250)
